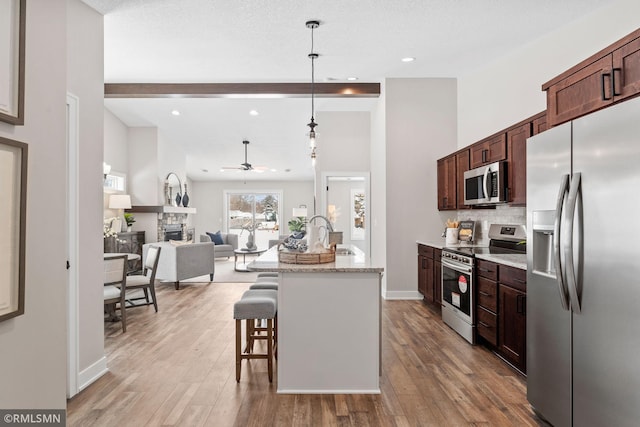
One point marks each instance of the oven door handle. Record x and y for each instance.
(457, 267)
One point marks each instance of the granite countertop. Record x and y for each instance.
(356, 263)
(512, 260)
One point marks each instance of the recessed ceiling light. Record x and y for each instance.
(274, 170)
(253, 113)
(408, 59)
(175, 112)
(352, 79)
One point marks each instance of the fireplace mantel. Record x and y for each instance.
(161, 209)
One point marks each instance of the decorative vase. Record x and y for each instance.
(178, 199)
(185, 197)
(251, 245)
(129, 228)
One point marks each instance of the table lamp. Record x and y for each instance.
(120, 202)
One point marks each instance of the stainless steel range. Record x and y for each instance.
(458, 270)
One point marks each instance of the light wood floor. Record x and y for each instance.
(176, 367)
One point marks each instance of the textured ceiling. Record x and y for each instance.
(267, 41)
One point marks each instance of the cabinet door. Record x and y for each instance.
(462, 165)
(490, 150)
(422, 277)
(447, 183)
(429, 290)
(517, 164)
(513, 326)
(437, 281)
(539, 125)
(626, 70)
(580, 93)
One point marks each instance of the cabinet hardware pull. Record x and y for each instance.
(485, 270)
(484, 156)
(519, 280)
(483, 324)
(602, 86)
(614, 80)
(484, 294)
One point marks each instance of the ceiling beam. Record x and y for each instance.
(240, 90)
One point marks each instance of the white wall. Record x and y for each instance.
(33, 346)
(207, 198)
(420, 128)
(344, 143)
(509, 90)
(144, 183)
(116, 146)
(85, 70)
(378, 184)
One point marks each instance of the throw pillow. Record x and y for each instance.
(216, 238)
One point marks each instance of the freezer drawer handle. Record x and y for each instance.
(567, 237)
(562, 288)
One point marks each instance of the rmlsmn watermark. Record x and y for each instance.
(33, 417)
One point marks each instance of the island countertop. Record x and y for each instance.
(358, 262)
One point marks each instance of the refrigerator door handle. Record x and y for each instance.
(560, 276)
(568, 239)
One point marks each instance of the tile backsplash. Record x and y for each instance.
(485, 217)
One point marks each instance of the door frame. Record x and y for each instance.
(72, 244)
(325, 175)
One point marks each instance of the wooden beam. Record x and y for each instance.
(240, 90)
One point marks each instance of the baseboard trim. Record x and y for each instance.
(87, 376)
(402, 295)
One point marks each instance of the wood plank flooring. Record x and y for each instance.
(176, 367)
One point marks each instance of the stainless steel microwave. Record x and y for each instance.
(486, 185)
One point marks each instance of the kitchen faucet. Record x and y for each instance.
(329, 226)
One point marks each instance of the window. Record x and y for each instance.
(114, 182)
(256, 212)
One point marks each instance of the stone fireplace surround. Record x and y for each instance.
(165, 219)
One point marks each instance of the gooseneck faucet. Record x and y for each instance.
(329, 226)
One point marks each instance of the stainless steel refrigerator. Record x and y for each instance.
(583, 270)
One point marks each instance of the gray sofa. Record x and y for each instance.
(225, 250)
(184, 261)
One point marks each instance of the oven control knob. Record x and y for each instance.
(454, 256)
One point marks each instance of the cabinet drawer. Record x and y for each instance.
(514, 277)
(487, 269)
(425, 251)
(487, 294)
(487, 326)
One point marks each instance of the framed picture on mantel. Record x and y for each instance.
(12, 48)
(13, 193)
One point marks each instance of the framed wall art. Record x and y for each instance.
(357, 214)
(13, 193)
(12, 48)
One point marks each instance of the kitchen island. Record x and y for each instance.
(329, 315)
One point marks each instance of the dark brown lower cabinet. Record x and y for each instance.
(429, 273)
(437, 277)
(513, 326)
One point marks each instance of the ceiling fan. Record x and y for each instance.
(246, 166)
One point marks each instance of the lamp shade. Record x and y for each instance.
(300, 212)
(120, 201)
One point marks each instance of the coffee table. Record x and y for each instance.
(244, 252)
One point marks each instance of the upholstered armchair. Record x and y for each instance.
(183, 261)
(230, 243)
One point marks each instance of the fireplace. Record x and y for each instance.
(172, 232)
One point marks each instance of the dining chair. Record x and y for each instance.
(115, 279)
(147, 280)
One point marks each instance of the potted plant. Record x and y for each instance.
(297, 226)
(130, 219)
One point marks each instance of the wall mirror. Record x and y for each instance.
(172, 190)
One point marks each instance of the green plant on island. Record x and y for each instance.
(297, 226)
(129, 219)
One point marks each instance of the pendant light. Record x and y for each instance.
(312, 124)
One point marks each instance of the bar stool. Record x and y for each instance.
(256, 304)
(268, 274)
(264, 285)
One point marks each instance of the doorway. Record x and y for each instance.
(345, 203)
